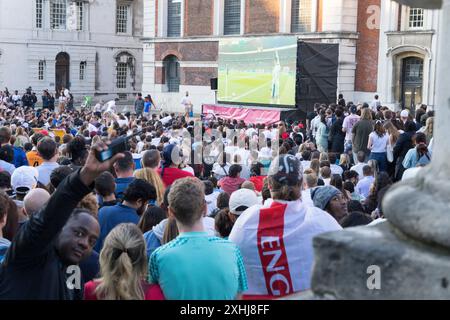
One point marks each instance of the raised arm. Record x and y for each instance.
(39, 232)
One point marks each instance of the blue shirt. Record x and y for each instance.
(109, 217)
(20, 158)
(152, 242)
(196, 266)
(121, 185)
(4, 246)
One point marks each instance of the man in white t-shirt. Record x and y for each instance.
(375, 104)
(110, 106)
(276, 239)
(187, 104)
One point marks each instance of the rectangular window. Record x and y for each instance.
(121, 75)
(58, 14)
(122, 19)
(301, 16)
(82, 69)
(39, 14)
(416, 18)
(174, 18)
(41, 70)
(79, 14)
(232, 17)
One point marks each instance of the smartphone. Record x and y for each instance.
(117, 146)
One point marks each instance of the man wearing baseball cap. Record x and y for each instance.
(276, 239)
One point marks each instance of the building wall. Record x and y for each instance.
(262, 16)
(197, 51)
(23, 46)
(367, 45)
(199, 18)
(396, 43)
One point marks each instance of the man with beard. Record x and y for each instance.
(45, 252)
(135, 202)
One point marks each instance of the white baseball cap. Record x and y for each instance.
(24, 177)
(242, 199)
(404, 114)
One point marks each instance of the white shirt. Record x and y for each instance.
(348, 124)
(379, 144)
(211, 201)
(335, 169)
(359, 168)
(186, 101)
(363, 186)
(296, 225)
(306, 164)
(110, 106)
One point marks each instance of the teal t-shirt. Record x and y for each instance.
(196, 266)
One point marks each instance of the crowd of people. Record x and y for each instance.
(186, 214)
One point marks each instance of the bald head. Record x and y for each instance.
(35, 200)
(151, 159)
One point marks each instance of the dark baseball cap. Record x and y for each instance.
(286, 169)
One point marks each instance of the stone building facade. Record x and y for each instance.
(181, 40)
(408, 55)
(91, 47)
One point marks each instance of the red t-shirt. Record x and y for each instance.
(172, 174)
(258, 181)
(151, 291)
(230, 185)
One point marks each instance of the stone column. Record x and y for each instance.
(407, 257)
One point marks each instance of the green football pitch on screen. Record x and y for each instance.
(260, 70)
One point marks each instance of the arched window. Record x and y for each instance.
(125, 70)
(172, 73)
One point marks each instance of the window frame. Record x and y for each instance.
(241, 8)
(62, 11)
(181, 3)
(80, 12)
(127, 15)
(41, 70)
(121, 75)
(312, 12)
(405, 20)
(39, 14)
(82, 70)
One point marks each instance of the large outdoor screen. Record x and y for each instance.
(259, 70)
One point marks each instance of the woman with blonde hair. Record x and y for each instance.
(123, 268)
(152, 177)
(21, 137)
(428, 129)
(315, 166)
(323, 157)
(344, 162)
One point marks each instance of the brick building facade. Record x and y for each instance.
(181, 41)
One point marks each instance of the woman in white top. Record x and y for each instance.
(62, 101)
(378, 142)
